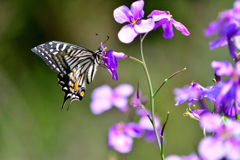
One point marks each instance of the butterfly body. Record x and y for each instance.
(76, 66)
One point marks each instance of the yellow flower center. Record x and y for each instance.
(133, 22)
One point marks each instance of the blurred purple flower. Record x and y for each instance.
(226, 93)
(103, 98)
(146, 125)
(134, 101)
(224, 142)
(109, 59)
(191, 93)
(219, 26)
(134, 16)
(192, 156)
(236, 9)
(165, 20)
(230, 31)
(120, 136)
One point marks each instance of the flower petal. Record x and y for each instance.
(119, 55)
(168, 30)
(179, 26)
(237, 41)
(173, 157)
(236, 9)
(118, 139)
(102, 92)
(145, 123)
(233, 148)
(100, 105)
(219, 42)
(123, 144)
(222, 68)
(127, 34)
(120, 103)
(237, 70)
(133, 130)
(144, 26)
(211, 122)
(212, 28)
(123, 90)
(122, 14)
(233, 126)
(157, 15)
(211, 148)
(137, 9)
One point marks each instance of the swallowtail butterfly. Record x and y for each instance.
(76, 66)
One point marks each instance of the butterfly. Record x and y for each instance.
(76, 66)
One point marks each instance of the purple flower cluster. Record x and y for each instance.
(221, 122)
(137, 25)
(225, 94)
(224, 143)
(226, 27)
(120, 136)
(191, 93)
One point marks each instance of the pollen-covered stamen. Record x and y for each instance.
(170, 16)
(224, 134)
(235, 77)
(133, 22)
(120, 127)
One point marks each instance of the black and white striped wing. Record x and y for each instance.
(62, 57)
(76, 66)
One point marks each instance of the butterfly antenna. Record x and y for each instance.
(97, 37)
(106, 40)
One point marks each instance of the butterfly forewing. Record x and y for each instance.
(75, 66)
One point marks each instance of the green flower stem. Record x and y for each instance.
(135, 59)
(151, 94)
(162, 132)
(167, 80)
(142, 106)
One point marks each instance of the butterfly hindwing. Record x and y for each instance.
(76, 66)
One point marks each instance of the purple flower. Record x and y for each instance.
(103, 98)
(134, 16)
(219, 26)
(165, 20)
(230, 31)
(226, 28)
(146, 125)
(109, 59)
(191, 93)
(192, 156)
(120, 136)
(223, 143)
(226, 93)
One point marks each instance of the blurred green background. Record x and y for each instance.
(32, 124)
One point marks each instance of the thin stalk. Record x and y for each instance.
(135, 59)
(162, 132)
(167, 80)
(151, 94)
